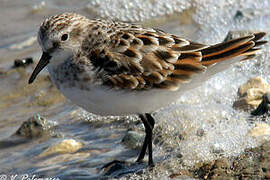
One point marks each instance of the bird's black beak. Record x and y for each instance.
(44, 60)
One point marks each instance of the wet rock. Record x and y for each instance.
(254, 163)
(23, 62)
(133, 140)
(35, 127)
(257, 82)
(66, 146)
(251, 100)
(264, 107)
(218, 169)
(247, 165)
(261, 129)
(251, 93)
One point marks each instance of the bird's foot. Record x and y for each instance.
(118, 168)
(115, 163)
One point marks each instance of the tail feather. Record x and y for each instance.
(249, 52)
(259, 36)
(244, 46)
(259, 43)
(225, 46)
(227, 55)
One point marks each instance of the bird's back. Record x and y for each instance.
(130, 57)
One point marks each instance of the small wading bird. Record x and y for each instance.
(116, 68)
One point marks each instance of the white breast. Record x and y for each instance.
(105, 101)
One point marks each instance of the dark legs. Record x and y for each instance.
(149, 123)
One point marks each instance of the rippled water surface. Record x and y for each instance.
(177, 146)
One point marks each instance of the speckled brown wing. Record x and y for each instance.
(153, 59)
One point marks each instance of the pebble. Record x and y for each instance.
(23, 62)
(66, 146)
(251, 93)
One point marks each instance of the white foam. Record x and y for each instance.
(136, 10)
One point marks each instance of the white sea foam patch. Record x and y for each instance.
(207, 11)
(218, 17)
(207, 132)
(136, 10)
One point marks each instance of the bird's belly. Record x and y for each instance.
(105, 101)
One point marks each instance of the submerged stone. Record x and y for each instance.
(66, 146)
(35, 127)
(133, 140)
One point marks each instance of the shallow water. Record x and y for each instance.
(207, 108)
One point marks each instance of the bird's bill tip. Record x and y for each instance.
(44, 60)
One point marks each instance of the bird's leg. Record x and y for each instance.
(149, 123)
(145, 142)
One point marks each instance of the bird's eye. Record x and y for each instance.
(64, 37)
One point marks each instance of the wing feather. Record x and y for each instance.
(141, 59)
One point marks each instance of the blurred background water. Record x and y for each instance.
(207, 109)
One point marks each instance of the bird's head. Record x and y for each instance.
(59, 38)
